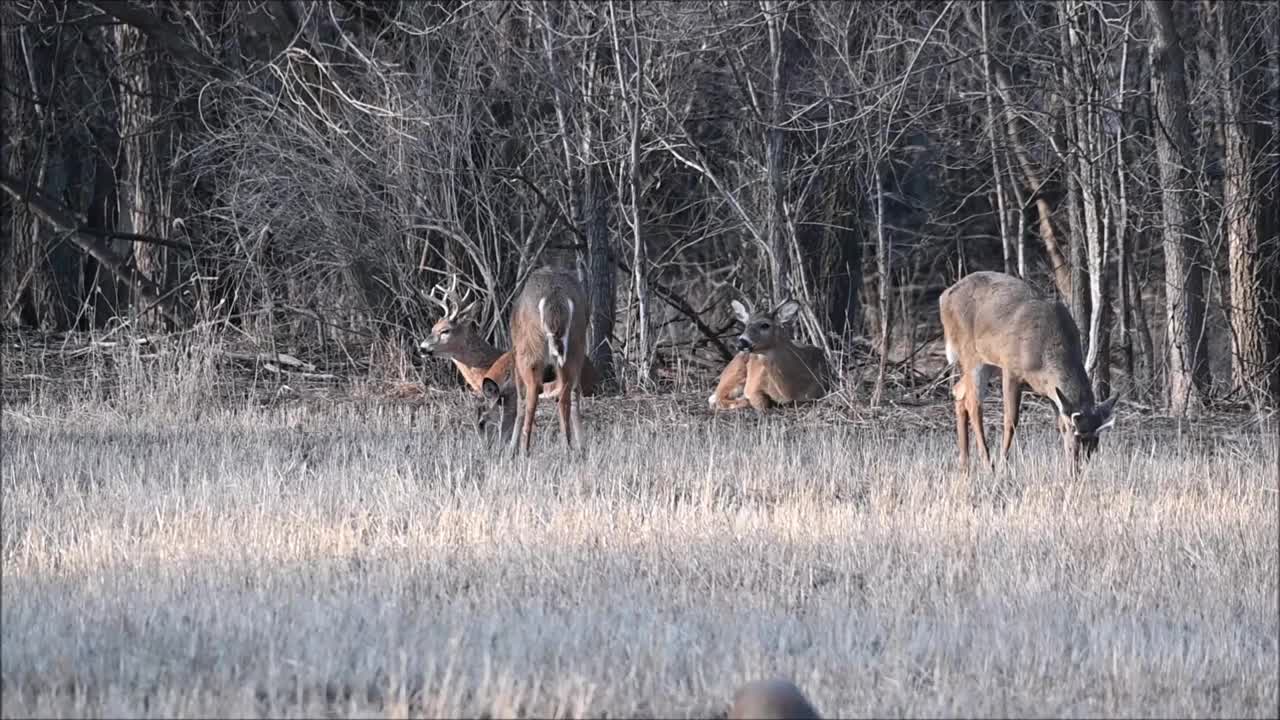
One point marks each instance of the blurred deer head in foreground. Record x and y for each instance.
(773, 699)
(770, 369)
(991, 320)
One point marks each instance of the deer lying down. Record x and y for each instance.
(457, 337)
(992, 320)
(769, 368)
(548, 334)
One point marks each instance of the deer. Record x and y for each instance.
(457, 336)
(994, 320)
(548, 336)
(769, 368)
(774, 698)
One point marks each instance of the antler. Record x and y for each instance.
(443, 298)
(448, 299)
(464, 304)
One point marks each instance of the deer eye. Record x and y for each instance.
(764, 326)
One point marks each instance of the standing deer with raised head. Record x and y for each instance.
(993, 320)
(769, 368)
(457, 336)
(548, 333)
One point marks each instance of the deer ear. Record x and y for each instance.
(1106, 412)
(1107, 407)
(490, 389)
(740, 311)
(786, 312)
(1065, 408)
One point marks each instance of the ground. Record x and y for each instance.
(170, 552)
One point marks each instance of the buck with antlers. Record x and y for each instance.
(993, 320)
(769, 368)
(457, 336)
(548, 336)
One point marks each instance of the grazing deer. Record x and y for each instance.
(770, 369)
(992, 320)
(457, 336)
(774, 699)
(548, 331)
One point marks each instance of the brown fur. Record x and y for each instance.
(770, 369)
(994, 320)
(773, 699)
(548, 333)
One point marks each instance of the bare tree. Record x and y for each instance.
(1188, 368)
(1242, 91)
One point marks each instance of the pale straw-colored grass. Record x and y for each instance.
(363, 559)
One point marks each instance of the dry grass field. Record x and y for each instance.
(172, 551)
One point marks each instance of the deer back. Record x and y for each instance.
(991, 318)
(550, 312)
(790, 372)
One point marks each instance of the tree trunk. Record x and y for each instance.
(1120, 184)
(1241, 88)
(1006, 245)
(146, 184)
(639, 256)
(1188, 369)
(42, 280)
(885, 272)
(1269, 249)
(600, 280)
(775, 210)
(20, 234)
(1089, 175)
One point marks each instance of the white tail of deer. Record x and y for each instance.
(993, 320)
(457, 337)
(769, 368)
(548, 336)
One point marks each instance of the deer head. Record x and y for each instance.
(763, 331)
(454, 329)
(1082, 425)
(496, 410)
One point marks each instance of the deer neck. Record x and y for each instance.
(783, 349)
(473, 362)
(1074, 384)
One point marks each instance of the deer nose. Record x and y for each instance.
(426, 345)
(744, 343)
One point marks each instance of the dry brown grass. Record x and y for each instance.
(169, 554)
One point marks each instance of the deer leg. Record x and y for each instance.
(565, 405)
(731, 383)
(759, 400)
(513, 443)
(533, 386)
(1012, 392)
(962, 420)
(978, 386)
(576, 415)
